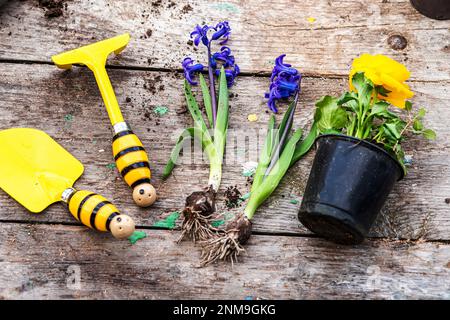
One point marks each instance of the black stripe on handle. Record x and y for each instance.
(140, 181)
(82, 203)
(108, 221)
(128, 150)
(142, 164)
(121, 134)
(70, 197)
(95, 211)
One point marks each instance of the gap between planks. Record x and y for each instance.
(257, 233)
(259, 74)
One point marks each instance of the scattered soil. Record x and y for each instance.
(156, 5)
(186, 9)
(148, 33)
(53, 8)
(232, 196)
(153, 85)
(447, 200)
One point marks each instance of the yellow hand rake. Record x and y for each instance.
(129, 153)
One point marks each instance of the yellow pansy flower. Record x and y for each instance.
(384, 71)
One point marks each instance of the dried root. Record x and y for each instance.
(195, 226)
(198, 211)
(227, 244)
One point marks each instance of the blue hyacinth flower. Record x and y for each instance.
(284, 83)
(223, 31)
(226, 59)
(190, 69)
(201, 34)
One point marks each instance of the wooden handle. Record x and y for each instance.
(98, 213)
(132, 163)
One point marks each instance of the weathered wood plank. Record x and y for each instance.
(157, 268)
(261, 31)
(68, 106)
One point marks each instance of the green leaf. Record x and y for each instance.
(284, 126)
(220, 131)
(282, 135)
(193, 108)
(421, 113)
(417, 125)
(304, 146)
(429, 134)
(383, 91)
(207, 100)
(329, 115)
(346, 97)
(265, 189)
(187, 133)
(265, 156)
(364, 87)
(392, 129)
(380, 110)
(408, 106)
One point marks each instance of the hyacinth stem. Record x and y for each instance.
(280, 144)
(212, 87)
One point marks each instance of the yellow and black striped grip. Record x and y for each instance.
(92, 210)
(131, 158)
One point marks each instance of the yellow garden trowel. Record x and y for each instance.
(129, 154)
(36, 171)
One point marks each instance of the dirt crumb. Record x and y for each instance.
(156, 3)
(153, 84)
(232, 196)
(186, 9)
(447, 200)
(53, 8)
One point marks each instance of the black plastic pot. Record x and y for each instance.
(348, 185)
(434, 9)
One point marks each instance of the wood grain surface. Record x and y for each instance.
(155, 268)
(407, 255)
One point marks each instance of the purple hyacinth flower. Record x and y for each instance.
(201, 34)
(281, 67)
(284, 83)
(223, 31)
(190, 69)
(226, 59)
(224, 56)
(230, 74)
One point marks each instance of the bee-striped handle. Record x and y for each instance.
(132, 163)
(131, 158)
(96, 212)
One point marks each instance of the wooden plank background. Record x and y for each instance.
(409, 246)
